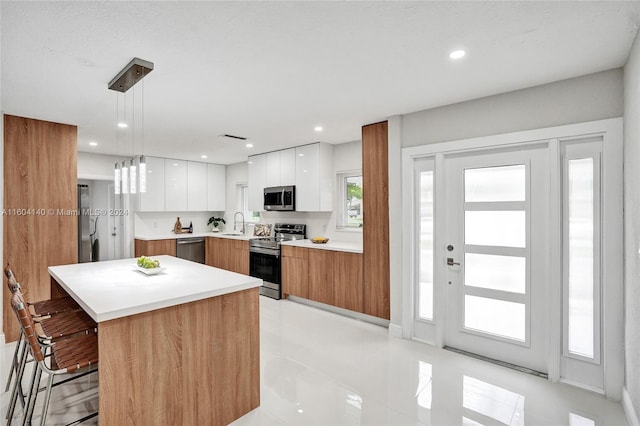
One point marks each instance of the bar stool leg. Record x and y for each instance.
(17, 387)
(33, 395)
(14, 363)
(47, 397)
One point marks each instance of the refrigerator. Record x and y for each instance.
(84, 222)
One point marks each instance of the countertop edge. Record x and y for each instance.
(122, 313)
(194, 235)
(344, 247)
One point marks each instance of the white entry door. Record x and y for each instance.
(497, 239)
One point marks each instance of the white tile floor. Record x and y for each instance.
(318, 368)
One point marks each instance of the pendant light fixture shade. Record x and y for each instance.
(132, 176)
(125, 178)
(116, 179)
(143, 174)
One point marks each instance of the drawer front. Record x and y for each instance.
(299, 252)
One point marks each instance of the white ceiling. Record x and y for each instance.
(271, 71)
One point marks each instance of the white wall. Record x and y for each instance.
(587, 98)
(631, 228)
(161, 223)
(346, 157)
(96, 166)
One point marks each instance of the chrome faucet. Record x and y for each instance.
(235, 222)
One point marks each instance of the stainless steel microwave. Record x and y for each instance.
(280, 198)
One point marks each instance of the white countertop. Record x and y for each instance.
(115, 289)
(172, 236)
(331, 245)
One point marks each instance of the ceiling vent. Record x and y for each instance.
(226, 135)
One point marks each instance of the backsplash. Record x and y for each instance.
(161, 223)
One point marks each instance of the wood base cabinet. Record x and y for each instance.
(295, 271)
(326, 276)
(232, 255)
(155, 247)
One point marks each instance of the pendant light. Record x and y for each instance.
(142, 164)
(125, 175)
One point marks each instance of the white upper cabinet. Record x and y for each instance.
(196, 186)
(272, 167)
(257, 178)
(287, 167)
(153, 199)
(308, 167)
(175, 185)
(314, 180)
(178, 186)
(216, 187)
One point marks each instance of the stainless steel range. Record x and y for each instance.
(264, 257)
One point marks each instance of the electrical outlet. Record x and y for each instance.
(155, 225)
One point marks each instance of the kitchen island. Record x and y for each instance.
(179, 347)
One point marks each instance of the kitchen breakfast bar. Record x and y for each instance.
(179, 347)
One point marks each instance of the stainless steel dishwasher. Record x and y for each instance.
(190, 249)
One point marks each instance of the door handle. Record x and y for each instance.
(450, 262)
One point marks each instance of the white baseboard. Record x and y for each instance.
(395, 330)
(629, 411)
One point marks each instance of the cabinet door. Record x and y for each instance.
(307, 183)
(155, 247)
(216, 187)
(175, 172)
(196, 186)
(349, 281)
(153, 199)
(295, 272)
(272, 166)
(240, 257)
(257, 176)
(321, 276)
(288, 167)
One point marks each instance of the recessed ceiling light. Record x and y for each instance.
(318, 128)
(123, 125)
(175, 164)
(250, 162)
(457, 54)
(93, 143)
(300, 155)
(249, 145)
(203, 156)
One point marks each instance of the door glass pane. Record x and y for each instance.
(425, 301)
(506, 273)
(580, 257)
(498, 317)
(506, 183)
(495, 228)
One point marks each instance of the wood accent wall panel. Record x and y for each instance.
(349, 277)
(40, 182)
(192, 364)
(295, 271)
(375, 201)
(321, 276)
(155, 247)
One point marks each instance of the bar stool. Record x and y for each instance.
(77, 356)
(48, 329)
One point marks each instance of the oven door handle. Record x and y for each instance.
(264, 251)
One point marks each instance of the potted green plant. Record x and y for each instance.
(216, 221)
